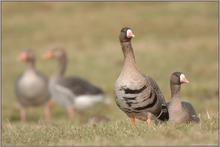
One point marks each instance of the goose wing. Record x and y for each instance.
(191, 111)
(79, 86)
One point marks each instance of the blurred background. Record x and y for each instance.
(169, 36)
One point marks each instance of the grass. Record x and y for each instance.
(170, 36)
(117, 133)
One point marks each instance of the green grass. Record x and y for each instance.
(119, 132)
(170, 36)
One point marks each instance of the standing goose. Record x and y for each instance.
(180, 111)
(72, 92)
(136, 94)
(31, 87)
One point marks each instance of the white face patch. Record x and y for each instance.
(182, 78)
(129, 33)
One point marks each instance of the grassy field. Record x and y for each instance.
(170, 36)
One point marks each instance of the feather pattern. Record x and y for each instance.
(136, 94)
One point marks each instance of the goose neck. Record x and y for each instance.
(31, 65)
(62, 62)
(129, 59)
(175, 91)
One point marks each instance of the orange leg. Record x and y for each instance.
(23, 114)
(81, 113)
(132, 121)
(46, 111)
(148, 121)
(70, 112)
(52, 104)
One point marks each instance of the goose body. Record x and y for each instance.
(136, 94)
(180, 111)
(31, 87)
(72, 92)
(75, 92)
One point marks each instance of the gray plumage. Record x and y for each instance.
(72, 91)
(31, 87)
(136, 94)
(180, 111)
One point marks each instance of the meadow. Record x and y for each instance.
(169, 36)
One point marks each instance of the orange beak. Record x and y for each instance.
(47, 55)
(22, 57)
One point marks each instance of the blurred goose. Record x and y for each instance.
(136, 94)
(180, 111)
(31, 87)
(72, 92)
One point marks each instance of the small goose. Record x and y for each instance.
(136, 94)
(72, 92)
(31, 86)
(180, 111)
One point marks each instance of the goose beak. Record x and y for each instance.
(132, 35)
(22, 57)
(47, 55)
(184, 80)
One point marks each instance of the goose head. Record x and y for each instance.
(26, 56)
(126, 35)
(178, 78)
(57, 53)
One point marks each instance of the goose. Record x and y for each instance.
(31, 86)
(71, 92)
(136, 94)
(180, 111)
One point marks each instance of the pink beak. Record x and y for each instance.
(184, 80)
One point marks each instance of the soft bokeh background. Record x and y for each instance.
(170, 36)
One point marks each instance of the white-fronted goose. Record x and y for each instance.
(31, 87)
(136, 94)
(72, 92)
(180, 111)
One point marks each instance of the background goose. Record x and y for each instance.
(180, 111)
(136, 94)
(31, 87)
(72, 92)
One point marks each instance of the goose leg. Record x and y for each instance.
(52, 104)
(148, 121)
(46, 111)
(81, 114)
(70, 112)
(23, 114)
(132, 121)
